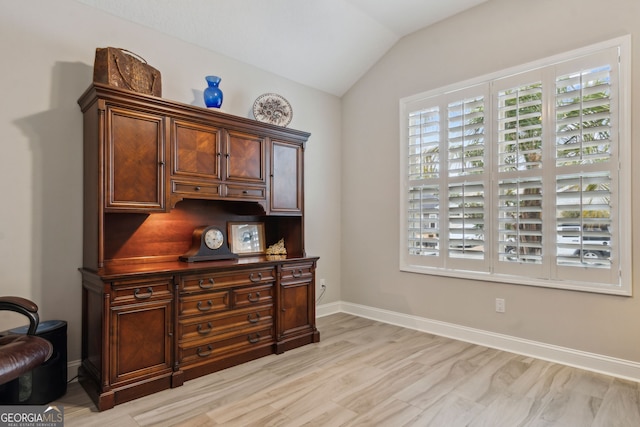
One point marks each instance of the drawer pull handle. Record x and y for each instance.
(196, 188)
(298, 274)
(203, 286)
(209, 304)
(252, 299)
(205, 331)
(253, 279)
(255, 319)
(253, 340)
(136, 293)
(204, 353)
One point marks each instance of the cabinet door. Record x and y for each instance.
(296, 300)
(295, 305)
(141, 342)
(134, 160)
(286, 178)
(195, 150)
(245, 158)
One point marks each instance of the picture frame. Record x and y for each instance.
(246, 238)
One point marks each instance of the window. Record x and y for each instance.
(523, 176)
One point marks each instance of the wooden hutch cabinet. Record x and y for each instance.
(154, 170)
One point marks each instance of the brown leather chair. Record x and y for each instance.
(20, 353)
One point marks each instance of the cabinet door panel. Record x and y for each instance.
(245, 155)
(286, 178)
(141, 344)
(295, 301)
(196, 150)
(135, 156)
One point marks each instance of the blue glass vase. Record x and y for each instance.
(213, 94)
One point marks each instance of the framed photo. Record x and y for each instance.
(246, 237)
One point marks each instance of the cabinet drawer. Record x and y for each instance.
(228, 343)
(202, 304)
(140, 291)
(253, 295)
(196, 189)
(246, 192)
(209, 327)
(203, 282)
(297, 272)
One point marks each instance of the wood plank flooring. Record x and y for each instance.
(366, 373)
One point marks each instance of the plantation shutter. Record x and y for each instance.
(424, 170)
(466, 179)
(586, 188)
(519, 177)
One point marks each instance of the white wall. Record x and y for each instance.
(493, 36)
(48, 50)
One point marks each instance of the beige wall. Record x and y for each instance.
(47, 62)
(493, 36)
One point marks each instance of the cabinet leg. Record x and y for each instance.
(102, 400)
(177, 379)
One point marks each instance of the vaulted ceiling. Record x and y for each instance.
(325, 44)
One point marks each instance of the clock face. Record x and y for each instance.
(213, 238)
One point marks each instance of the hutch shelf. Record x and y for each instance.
(154, 170)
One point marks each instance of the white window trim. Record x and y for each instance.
(624, 157)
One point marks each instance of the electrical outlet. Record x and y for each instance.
(501, 305)
(323, 284)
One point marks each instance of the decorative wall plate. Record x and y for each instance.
(272, 108)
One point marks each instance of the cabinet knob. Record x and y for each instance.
(196, 188)
(161, 163)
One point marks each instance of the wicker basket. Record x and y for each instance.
(126, 70)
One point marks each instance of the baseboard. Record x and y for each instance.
(327, 309)
(72, 370)
(567, 356)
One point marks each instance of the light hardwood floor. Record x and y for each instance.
(366, 373)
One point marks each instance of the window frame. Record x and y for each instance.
(524, 275)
